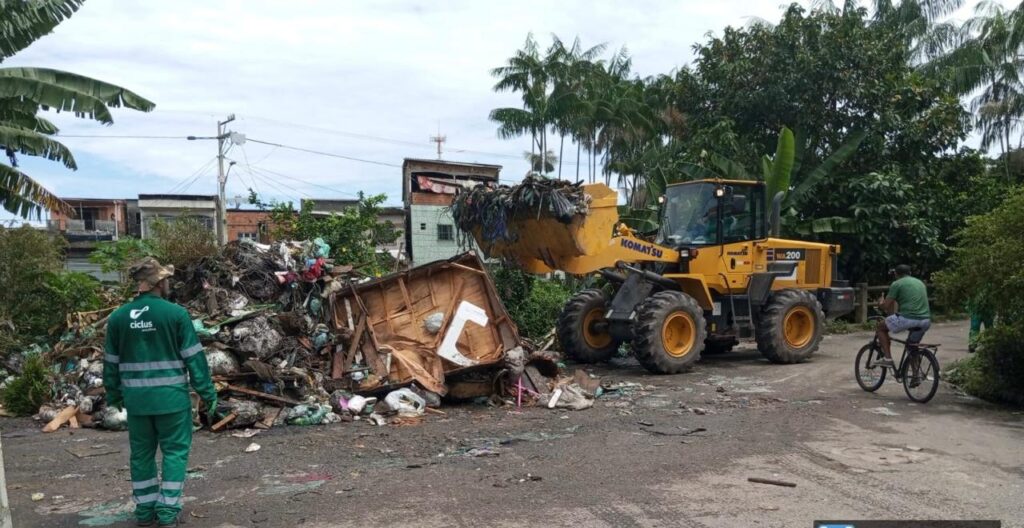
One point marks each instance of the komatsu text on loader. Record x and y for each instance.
(714, 274)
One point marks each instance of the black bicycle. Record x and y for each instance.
(918, 368)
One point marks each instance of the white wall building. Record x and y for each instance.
(428, 188)
(170, 206)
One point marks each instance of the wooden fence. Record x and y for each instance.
(867, 295)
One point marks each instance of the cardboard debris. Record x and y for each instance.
(394, 347)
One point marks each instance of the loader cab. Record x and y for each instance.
(713, 212)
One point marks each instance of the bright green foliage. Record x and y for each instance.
(988, 263)
(26, 392)
(24, 92)
(35, 291)
(182, 241)
(890, 226)
(353, 234)
(533, 303)
(72, 291)
(776, 170)
(28, 257)
(120, 254)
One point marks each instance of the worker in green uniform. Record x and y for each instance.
(151, 354)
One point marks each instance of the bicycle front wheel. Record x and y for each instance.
(870, 376)
(921, 379)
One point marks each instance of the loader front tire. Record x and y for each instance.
(579, 329)
(790, 327)
(669, 332)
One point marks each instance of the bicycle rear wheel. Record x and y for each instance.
(870, 376)
(921, 379)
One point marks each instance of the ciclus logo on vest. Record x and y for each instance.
(139, 325)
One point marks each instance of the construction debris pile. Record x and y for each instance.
(492, 210)
(293, 339)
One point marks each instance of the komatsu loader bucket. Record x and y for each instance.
(540, 243)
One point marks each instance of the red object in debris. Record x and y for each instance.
(313, 272)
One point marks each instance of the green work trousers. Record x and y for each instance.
(978, 318)
(172, 433)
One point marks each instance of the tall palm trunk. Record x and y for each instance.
(579, 146)
(561, 151)
(1006, 150)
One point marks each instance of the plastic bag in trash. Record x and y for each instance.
(322, 248)
(114, 419)
(432, 398)
(221, 362)
(433, 322)
(406, 402)
(515, 358)
(568, 397)
(357, 404)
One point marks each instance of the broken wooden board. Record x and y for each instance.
(395, 308)
(62, 417)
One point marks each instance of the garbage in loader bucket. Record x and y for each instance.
(539, 222)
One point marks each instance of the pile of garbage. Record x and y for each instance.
(492, 209)
(292, 338)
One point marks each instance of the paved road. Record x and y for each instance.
(622, 463)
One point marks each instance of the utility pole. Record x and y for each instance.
(222, 175)
(222, 180)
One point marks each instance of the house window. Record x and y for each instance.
(248, 236)
(423, 227)
(445, 232)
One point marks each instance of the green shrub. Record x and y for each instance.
(120, 254)
(987, 263)
(25, 393)
(73, 291)
(996, 370)
(28, 257)
(532, 302)
(182, 241)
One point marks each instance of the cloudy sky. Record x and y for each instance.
(367, 80)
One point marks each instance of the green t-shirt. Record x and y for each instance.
(912, 297)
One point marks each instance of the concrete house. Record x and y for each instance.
(167, 207)
(428, 188)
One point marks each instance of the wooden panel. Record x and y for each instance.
(392, 327)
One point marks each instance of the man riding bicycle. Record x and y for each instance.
(907, 307)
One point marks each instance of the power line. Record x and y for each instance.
(285, 192)
(323, 130)
(245, 157)
(194, 176)
(117, 136)
(293, 178)
(321, 153)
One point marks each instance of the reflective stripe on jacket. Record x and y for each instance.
(152, 352)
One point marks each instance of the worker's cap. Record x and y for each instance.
(148, 273)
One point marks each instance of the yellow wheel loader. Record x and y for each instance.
(715, 273)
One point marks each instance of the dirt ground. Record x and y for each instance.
(632, 460)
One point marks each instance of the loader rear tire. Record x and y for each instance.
(789, 329)
(669, 332)
(580, 339)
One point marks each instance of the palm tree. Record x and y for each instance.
(524, 73)
(26, 91)
(988, 62)
(541, 164)
(568, 68)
